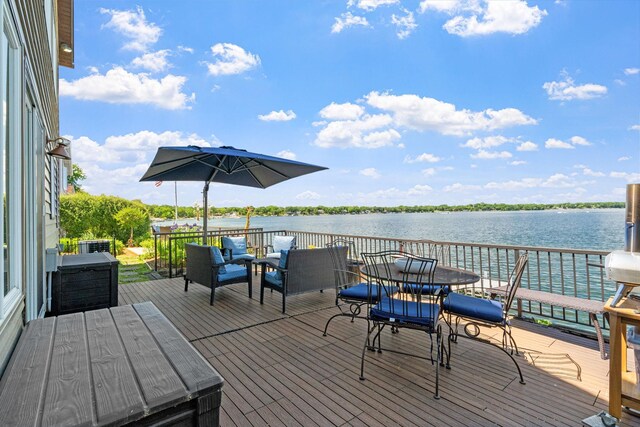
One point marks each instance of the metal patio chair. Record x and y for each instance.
(405, 309)
(485, 312)
(351, 290)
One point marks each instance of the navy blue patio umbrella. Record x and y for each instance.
(225, 165)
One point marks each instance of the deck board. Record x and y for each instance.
(280, 370)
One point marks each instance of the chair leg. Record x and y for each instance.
(439, 359)
(261, 292)
(186, 283)
(249, 283)
(364, 348)
(213, 293)
(283, 301)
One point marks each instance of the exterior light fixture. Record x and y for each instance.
(66, 48)
(60, 150)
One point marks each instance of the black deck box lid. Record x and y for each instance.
(87, 260)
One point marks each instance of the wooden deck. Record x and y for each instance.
(279, 370)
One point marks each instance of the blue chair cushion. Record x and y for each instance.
(403, 311)
(426, 289)
(284, 255)
(243, 256)
(283, 243)
(272, 278)
(472, 307)
(238, 245)
(361, 292)
(232, 272)
(218, 259)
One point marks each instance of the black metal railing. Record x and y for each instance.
(572, 272)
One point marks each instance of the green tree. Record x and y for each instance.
(132, 217)
(77, 175)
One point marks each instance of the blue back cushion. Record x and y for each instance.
(283, 243)
(238, 245)
(283, 263)
(218, 259)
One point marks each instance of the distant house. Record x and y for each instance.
(37, 37)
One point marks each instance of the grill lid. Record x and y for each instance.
(623, 266)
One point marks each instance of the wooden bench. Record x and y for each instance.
(565, 301)
(117, 366)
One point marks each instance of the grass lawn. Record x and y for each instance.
(132, 269)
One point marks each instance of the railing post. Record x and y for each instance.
(155, 252)
(170, 260)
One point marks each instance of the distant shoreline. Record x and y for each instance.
(166, 212)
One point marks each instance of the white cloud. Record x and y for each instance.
(134, 26)
(278, 116)
(578, 140)
(566, 89)
(635, 127)
(367, 131)
(589, 172)
(489, 155)
(473, 18)
(556, 143)
(573, 142)
(423, 114)
(185, 49)
(346, 111)
(459, 188)
(133, 148)
(428, 171)
(419, 190)
(517, 163)
(287, 154)
(438, 5)
(308, 195)
(620, 82)
(631, 71)
(487, 142)
(370, 173)
(152, 61)
(422, 158)
(231, 59)
(370, 5)
(628, 176)
(554, 181)
(118, 86)
(347, 20)
(527, 146)
(405, 25)
(624, 158)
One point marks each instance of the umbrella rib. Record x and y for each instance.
(247, 168)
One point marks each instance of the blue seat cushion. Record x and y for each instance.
(361, 292)
(426, 289)
(403, 311)
(472, 307)
(238, 245)
(273, 278)
(232, 271)
(218, 259)
(243, 256)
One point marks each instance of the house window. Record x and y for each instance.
(10, 164)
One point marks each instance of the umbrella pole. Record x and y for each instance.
(205, 197)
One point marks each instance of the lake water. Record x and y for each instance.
(600, 229)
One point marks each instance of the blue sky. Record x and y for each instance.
(406, 102)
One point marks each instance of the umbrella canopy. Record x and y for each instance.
(225, 165)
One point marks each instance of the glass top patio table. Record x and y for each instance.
(443, 276)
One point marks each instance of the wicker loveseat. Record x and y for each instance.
(300, 271)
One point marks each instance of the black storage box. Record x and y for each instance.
(85, 282)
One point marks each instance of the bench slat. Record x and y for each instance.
(117, 394)
(69, 392)
(192, 368)
(24, 384)
(567, 301)
(157, 379)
